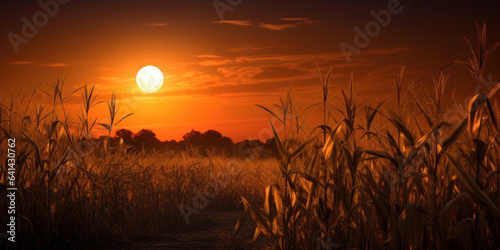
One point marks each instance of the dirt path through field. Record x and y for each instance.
(216, 234)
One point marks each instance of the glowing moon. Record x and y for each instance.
(149, 79)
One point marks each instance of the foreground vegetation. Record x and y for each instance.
(416, 174)
(75, 191)
(425, 176)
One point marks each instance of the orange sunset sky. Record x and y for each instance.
(217, 69)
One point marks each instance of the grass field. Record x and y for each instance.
(421, 173)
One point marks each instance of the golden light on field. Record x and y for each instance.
(149, 79)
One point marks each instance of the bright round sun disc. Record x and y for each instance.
(149, 79)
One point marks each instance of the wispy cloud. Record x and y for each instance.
(38, 64)
(208, 56)
(262, 67)
(235, 22)
(125, 80)
(215, 62)
(282, 24)
(19, 63)
(247, 48)
(290, 22)
(240, 72)
(299, 20)
(156, 24)
(114, 79)
(53, 65)
(277, 26)
(315, 57)
(107, 78)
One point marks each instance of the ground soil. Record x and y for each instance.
(215, 233)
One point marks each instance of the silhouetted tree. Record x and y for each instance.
(125, 134)
(205, 142)
(145, 136)
(210, 139)
(192, 136)
(211, 135)
(170, 145)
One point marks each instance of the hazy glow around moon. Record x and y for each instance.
(149, 79)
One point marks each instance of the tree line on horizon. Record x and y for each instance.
(204, 142)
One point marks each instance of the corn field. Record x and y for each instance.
(411, 176)
(420, 174)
